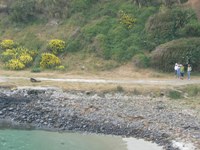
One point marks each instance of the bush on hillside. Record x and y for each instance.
(182, 51)
(164, 26)
(49, 61)
(7, 44)
(22, 50)
(23, 11)
(15, 64)
(147, 2)
(18, 58)
(80, 5)
(36, 69)
(191, 30)
(8, 55)
(141, 61)
(26, 59)
(127, 19)
(56, 46)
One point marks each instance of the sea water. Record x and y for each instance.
(45, 140)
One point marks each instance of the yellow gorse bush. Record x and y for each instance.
(7, 44)
(21, 57)
(49, 60)
(21, 50)
(127, 20)
(8, 55)
(56, 46)
(26, 59)
(15, 64)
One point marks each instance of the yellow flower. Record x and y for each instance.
(56, 46)
(26, 59)
(15, 64)
(49, 60)
(7, 44)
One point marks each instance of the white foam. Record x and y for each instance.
(139, 144)
(183, 146)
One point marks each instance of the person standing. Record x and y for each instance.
(175, 69)
(189, 69)
(178, 71)
(182, 71)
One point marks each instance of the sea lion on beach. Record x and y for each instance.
(34, 80)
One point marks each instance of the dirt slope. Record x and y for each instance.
(195, 5)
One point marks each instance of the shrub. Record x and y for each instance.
(26, 59)
(119, 89)
(127, 20)
(21, 50)
(164, 26)
(23, 11)
(36, 69)
(182, 51)
(7, 44)
(56, 46)
(15, 64)
(191, 30)
(8, 55)
(18, 53)
(49, 60)
(141, 61)
(80, 5)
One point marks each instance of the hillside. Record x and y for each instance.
(99, 35)
(196, 5)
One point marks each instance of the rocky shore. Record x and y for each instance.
(147, 117)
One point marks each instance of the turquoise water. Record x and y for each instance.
(43, 140)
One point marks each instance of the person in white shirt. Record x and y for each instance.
(175, 69)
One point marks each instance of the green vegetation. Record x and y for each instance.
(185, 50)
(114, 32)
(189, 91)
(192, 90)
(165, 25)
(175, 94)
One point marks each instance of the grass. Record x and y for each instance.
(173, 94)
(192, 90)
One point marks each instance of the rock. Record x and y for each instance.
(1, 113)
(88, 92)
(162, 94)
(82, 67)
(10, 109)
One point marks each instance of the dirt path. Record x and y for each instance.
(109, 81)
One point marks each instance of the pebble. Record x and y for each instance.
(10, 109)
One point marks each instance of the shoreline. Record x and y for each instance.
(135, 116)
